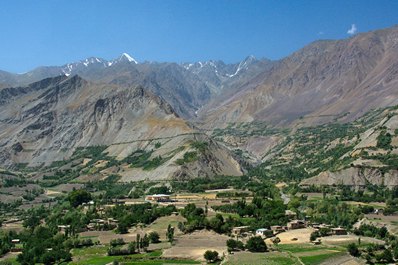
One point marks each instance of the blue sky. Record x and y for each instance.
(55, 32)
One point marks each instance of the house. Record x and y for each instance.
(88, 203)
(296, 224)
(290, 214)
(96, 224)
(378, 211)
(15, 241)
(338, 231)
(240, 230)
(16, 245)
(263, 232)
(276, 229)
(63, 228)
(11, 221)
(112, 222)
(158, 198)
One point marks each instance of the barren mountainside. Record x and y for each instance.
(46, 121)
(254, 111)
(318, 83)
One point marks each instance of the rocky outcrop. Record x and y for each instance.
(355, 177)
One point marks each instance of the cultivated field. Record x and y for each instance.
(195, 245)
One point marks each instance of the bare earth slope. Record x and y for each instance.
(47, 120)
(318, 83)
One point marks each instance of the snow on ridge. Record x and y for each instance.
(128, 57)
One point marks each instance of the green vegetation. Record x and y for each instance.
(154, 237)
(200, 146)
(141, 159)
(188, 158)
(318, 259)
(256, 244)
(159, 190)
(233, 245)
(78, 197)
(384, 140)
(5, 241)
(211, 256)
(145, 213)
(51, 231)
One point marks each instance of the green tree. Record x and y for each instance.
(131, 247)
(314, 235)
(145, 242)
(122, 227)
(170, 233)
(232, 244)
(352, 248)
(385, 256)
(78, 197)
(211, 256)
(256, 244)
(384, 140)
(154, 237)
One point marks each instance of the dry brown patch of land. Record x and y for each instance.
(195, 245)
(345, 239)
(280, 185)
(16, 226)
(295, 236)
(160, 226)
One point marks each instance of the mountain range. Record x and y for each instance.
(45, 114)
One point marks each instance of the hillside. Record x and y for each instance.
(316, 84)
(356, 153)
(49, 120)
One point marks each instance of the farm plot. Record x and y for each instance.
(195, 245)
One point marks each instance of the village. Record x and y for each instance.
(102, 231)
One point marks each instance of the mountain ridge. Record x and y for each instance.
(318, 80)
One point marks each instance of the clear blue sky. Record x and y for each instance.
(55, 32)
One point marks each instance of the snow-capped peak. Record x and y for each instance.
(127, 57)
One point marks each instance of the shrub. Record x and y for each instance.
(117, 242)
(211, 256)
(235, 244)
(314, 235)
(154, 237)
(353, 250)
(384, 140)
(256, 244)
(78, 197)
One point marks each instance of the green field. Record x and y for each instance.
(269, 258)
(298, 248)
(318, 259)
(312, 254)
(98, 256)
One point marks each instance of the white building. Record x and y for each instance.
(262, 232)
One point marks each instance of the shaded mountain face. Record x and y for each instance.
(317, 84)
(46, 121)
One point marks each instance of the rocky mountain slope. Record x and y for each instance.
(313, 110)
(47, 120)
(317, 84)
(187, 87)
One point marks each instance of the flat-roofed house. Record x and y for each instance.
(240, 230)
(158, 198)
(338, 231)
(296, 224)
